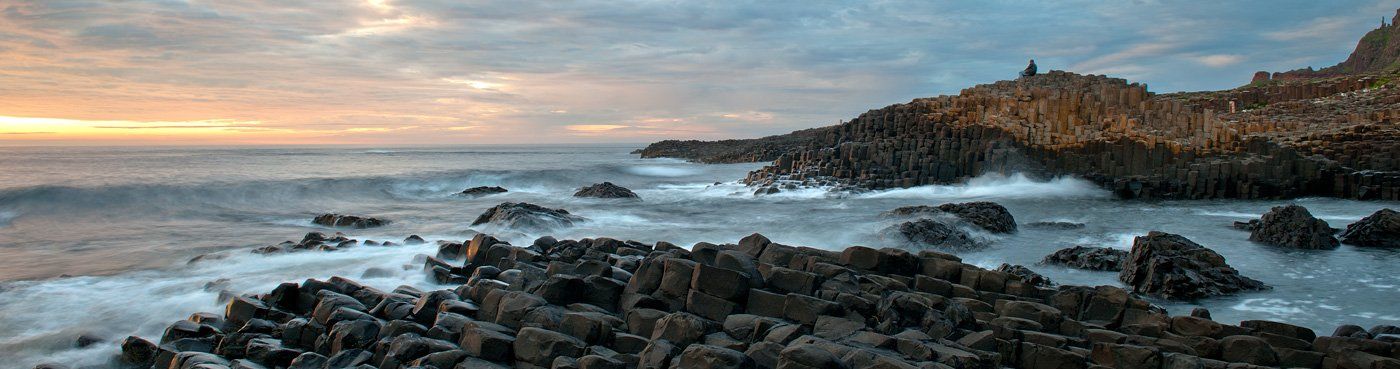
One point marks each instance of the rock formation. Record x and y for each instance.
(1090, 258)
(610, 304)
(479, 191)
(930, 233)
(1377, 52)
(1333, 135)
(1380, 229)
(606, 190)
(989, 216)
(1292, 226)
(526, 216)
(351, 221)
(1171, 266)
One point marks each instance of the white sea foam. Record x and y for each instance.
(42, 318)
(1269, 306)
(999, 187)
(661, 171)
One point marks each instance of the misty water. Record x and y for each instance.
(98, 241)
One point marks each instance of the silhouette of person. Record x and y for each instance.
(1030, 70)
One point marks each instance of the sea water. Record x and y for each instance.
(99, 241)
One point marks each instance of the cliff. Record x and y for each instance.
(1318, 137)
(1329, 132)
(1376, 52)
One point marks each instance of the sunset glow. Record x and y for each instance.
(408, 72)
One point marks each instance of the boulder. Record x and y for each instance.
(526, 216)
(986, 214)
(931, 233)
(1380, 229)
(1292, 226)
(540, 347)
(1171, 266)
(1027, 275)
(349, 221)
(480, 191)
(712, 357)
(1090, 258)
(606, 190)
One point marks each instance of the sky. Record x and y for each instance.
(408, 72)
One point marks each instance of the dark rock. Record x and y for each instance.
(989, 215)
(605, 190)
(1056, 225)
(411, 240)
(1248, 349)
(479, 191)
(1091, 258)
(351, 221)
(526, 216)
(138, 352)
(540, 347)
(931, 233)
(712, 357)
(488, 344)
(1380, 229)
(1171, 266)
(1027, 275)
(1292, 226)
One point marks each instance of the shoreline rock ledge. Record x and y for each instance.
(609, 304)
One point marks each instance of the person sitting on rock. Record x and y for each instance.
(1030, 70)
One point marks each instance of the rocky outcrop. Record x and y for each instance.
(989, 216)
(734, 151)
(606, 190)
(348, 221)
(611, 304)
(313, 241)
(1380, 229)
(480, 191)
(1171, 266)
(930, 233)
(526, 217)
(1027, 275)
(1377, 52)
(1090, 258)
(1292, 226)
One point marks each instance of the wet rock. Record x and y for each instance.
(479, 191)
(540, 347)
(1380, 229)
(526, 216)
(1248, 349)
(1091, 258)
(138, 352)
(931, 233)
(1171, 266)
(1292, 226)
(1055, 225)
(1027, 275)
(984, 214)
(712, 357)
(412, 240)
(350, 221)
(606, 190)
(990, 216)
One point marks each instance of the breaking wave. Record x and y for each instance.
(995, 186)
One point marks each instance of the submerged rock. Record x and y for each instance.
(931, 233)
(1292, 226)
(1091, 258)
(606, 190)
(479, 191)
(352, 221)
(1171, 266)
(1055, 225)
(521, 215)
(1380, 229)
(984, 214)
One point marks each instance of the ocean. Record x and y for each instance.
(99, 241)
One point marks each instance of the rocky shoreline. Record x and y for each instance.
(604, 303)
(1331, 134)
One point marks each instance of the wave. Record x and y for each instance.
(996, 186)
(661, 171)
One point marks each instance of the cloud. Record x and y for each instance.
(448, 71)
(1219, 60)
